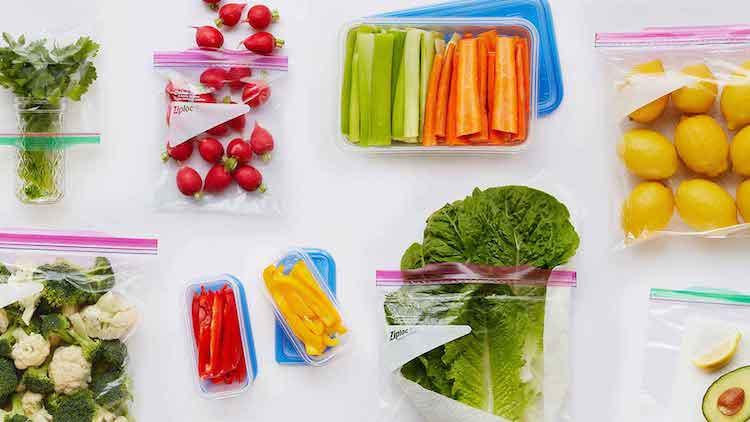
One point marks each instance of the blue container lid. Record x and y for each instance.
(286, 354)
(535, 11)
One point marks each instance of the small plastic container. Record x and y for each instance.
(511, 26)
(207, 389)
(288, 259)
(286, 353)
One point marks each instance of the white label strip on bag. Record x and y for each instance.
(406, 342)
(641, 89)
(188, 119)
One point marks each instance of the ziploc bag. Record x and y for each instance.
(475, 343)
(677, 101)
(535, 11)
(697, 350)
(46, 79)
(69, 306)
(213, 100)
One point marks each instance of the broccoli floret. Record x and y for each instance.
(16, 412)
(7, 340)
(112, 354)
(37, 380)
(4, 273)
(56, 324)
(77, 407)
(100, 277)
(90, 347)
(8, 377)
(61, 281)
(111, 388)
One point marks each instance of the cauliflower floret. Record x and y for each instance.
(69, 369)
(103, 415)
(29, 350)
(3, 321)
(110, 318)
(31, 403)
(41, 415)
(25, 274)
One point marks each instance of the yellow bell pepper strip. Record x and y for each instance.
(330, 341)
(314, 325)
(324, 309)
(299, 305)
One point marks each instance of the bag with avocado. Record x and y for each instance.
(679, 106)
(697, 365)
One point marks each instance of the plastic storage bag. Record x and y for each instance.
(68, 299)
(677, 103)
(211, 95)
(696, 337)
(475, 343)
(47, 108)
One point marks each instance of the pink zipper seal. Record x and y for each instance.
(39, 240)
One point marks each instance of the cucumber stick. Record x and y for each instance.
(354, 100)
(427, 58)
(406, 101)
(381, 90)
(365, 50)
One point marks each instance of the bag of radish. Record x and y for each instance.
(219, 144)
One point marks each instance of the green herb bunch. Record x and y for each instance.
(41, 78)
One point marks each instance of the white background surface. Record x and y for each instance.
(364, 210)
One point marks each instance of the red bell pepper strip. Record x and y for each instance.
(194, 314)
(204, 329)
(229, 342)
(217, 317)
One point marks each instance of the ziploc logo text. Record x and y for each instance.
(178, 109)
(398, 334)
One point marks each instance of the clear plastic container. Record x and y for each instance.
(504, 26)
(288, 260)
(206, 388)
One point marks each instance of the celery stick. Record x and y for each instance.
(399, 38)
(398, 110)
(354, 100)
(346, 84)
(381, 89)
(427, 57)
(365, 48)
(410, 72)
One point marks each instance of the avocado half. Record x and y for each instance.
(739, 382)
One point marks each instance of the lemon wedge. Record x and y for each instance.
(720, 355)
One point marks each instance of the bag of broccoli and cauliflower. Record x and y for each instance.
(477, 319)
(66, 315)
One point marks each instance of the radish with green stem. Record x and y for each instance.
(230, 14)
(261, 142)
(213, 4)
(238, 152)
(249, 178)
(189, 182)
(211, 150)
(208, 37)
(260, 17)
(218, 179)
(262, 43)
(180, 152)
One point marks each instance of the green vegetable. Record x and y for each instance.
(399, 40)
(41, 78)
(37, 380)
(506, 226)
(7, 340)
(16, 413)
(90, 347)
(406, 102)
(347, 84)
(112, 355)
(66, 284)
(56, 324)
(426, 62)
(381, 90)
(354, 101)
(111, 389)
(8, 378)
(366, 51)
(77, 407)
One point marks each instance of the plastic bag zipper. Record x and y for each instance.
(454, 273)
(77, 242)
(205, 58)
(719, 297)
(675, 37)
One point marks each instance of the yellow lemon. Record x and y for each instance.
(719, 355)
(704, 205)
(735, 100)
(648, 209)
(743, 200)
(740, 152)
(702, 145)
(648, 154)
(654, 109)
(699, 97)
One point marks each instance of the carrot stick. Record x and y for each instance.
(505, 113)
(451, 136)
(483, 134)
(522, 59)
(469, 119)
(428, 137)
(441, 109)
(490, 37)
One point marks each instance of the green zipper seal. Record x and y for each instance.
(52, 141)
(701, 296)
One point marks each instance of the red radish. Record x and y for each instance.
(262, 43)
(219, 130)
(180, 152)
(218, 179)
(189, 182)
(235, 76)
(230, 14)
(261, 141)
(256, 93)
(260, 17)
(214, 78)
(239, 152)
(211, 150)
(208, 37)
(249, 178)
(213, 4)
